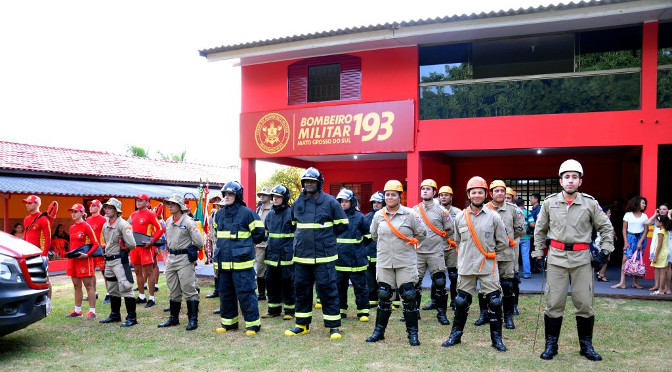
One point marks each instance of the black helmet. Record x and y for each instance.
(315, 175)
(236, 188)
(281, 190)
(347, 195)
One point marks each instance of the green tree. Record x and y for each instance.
(138, 151)
(288, 176)
(174, 157)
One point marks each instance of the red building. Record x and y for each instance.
(508, 94)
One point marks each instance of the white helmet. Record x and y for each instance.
(570, 165)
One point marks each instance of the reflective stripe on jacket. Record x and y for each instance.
(280, 228)
(238, 229)
(350, 243)
(318, 220)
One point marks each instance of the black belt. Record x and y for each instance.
(177, 251)
(110, 258)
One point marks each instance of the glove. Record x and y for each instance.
(599, 259)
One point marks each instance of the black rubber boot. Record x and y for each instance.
(174, 318)
(261, 286)
(131, 318)
(452, 275)
(552, 330)
(584, 327)
(115, 311)
(192, 314)
(495, 314)
(382, 317)
(411, 314)
(516, 293)
(458, 327)
(483, 306)
(214, 294)
(508, 312)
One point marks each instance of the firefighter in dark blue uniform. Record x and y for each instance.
(377, 203)
(319, 219)
(238, 230)
(279, 254)
(352, 257)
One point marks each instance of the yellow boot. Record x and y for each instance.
(335, 334)
(299, 329)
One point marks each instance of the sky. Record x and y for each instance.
(103, 75)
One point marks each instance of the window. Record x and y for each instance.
(664, 96)
(363, 192)
(526, 187)
(322, 79)
(587, 71)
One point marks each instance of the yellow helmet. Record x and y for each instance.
(497, 183)
(429, 182)
(446, 190)
(393, 185)
(510, 191)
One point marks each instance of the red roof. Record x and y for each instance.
(62, 161)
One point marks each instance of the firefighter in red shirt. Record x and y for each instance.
(38, 228)
(144, 221)
(81, 268)
(96, 220)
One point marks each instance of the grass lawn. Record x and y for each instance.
(630, 335)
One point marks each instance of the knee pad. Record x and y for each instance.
(407, 292)
(462, 300)
(439, 279)
(494, 299)
(384, 292)
(507, 286)
(452, 275)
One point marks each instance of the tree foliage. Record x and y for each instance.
(174, 157)
(288, 176)
(138, 151)
(142, 152)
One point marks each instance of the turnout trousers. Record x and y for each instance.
(323, 276)
(238, 286)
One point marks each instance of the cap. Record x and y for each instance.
(96, 202)
(265, 191)
(77, 208)
(32, 199)
(142, 197)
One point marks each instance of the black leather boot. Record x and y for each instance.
(430, 306)
(508, 312)
(261, 286)
(131, 318)
(516, 293)
(552, 330)
(441, 308)
(192, 314)
(460, 319)
(382, 317)
(411, 314)
(174, 318)
(214, 294)
(495, 314)
(483, 306)
(584, 327)
(115, 311)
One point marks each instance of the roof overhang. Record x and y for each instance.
(449, 30)
(86, 188)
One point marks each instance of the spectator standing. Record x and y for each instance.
(660, 211)
(18, 230)
(661, 258)
(525, 239)
(634, 235)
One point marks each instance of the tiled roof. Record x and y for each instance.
(419, 22)
(33, 159)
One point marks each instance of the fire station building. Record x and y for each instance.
(505, 95)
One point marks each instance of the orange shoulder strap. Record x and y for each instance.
(396, 232)
(474, 237)
(421, 207)
(512, 243)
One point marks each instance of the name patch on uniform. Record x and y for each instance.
(555, 204)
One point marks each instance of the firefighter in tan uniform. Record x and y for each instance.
(118, 276)
(568, 218)
(438, 224)
(481, 237)
(506, 260)
(183, 241)
(450, 253)
(397, 231)
(511, 197)
(263, 209)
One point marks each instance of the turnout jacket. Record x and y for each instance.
(280, 228)
(319, 219)
(372, 246)
(238, 230)
(352, 255)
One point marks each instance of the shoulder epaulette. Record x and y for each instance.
(587, 196)
(550, 196)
